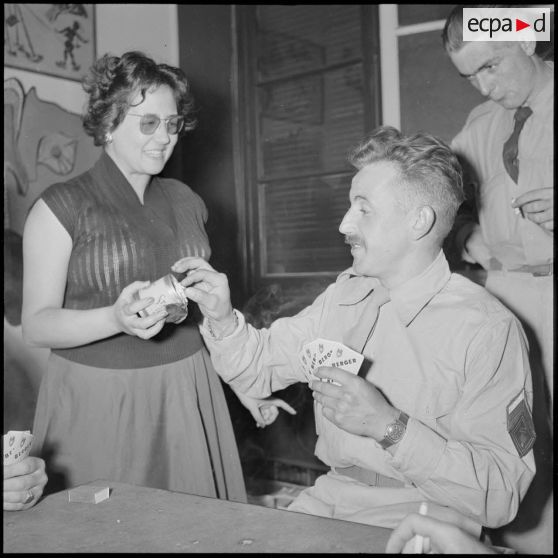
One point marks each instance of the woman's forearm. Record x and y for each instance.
(58, 328)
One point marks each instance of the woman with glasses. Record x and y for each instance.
(128, 396)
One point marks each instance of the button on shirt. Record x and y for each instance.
(512, 240)
(443, 350)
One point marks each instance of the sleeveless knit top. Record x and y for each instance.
(116, 240)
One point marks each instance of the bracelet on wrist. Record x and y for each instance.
(226, 332)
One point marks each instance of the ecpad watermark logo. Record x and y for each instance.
(506, 24)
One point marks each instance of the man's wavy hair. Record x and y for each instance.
(429, 172)
(452, 34)
(113, 82)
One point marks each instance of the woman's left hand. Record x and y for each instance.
(266, 410)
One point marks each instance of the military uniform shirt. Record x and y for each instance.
(512, 240)
(440, 348)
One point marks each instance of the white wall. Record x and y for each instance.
(151, 28)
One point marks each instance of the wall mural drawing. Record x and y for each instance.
(54, 39)
(43, 144)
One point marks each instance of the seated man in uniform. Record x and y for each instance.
(440, 409)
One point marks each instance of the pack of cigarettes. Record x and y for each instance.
(89, 494)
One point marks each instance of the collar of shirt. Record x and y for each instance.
(545, 97)
(539, 105)
(409, 298)
(413, 295)
(359, 288)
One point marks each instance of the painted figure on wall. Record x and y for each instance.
(72, 40)
(53, 39)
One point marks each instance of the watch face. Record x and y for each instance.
(395, 431)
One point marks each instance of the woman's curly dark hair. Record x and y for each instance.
(113, 82)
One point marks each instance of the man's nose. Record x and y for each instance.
(484, 84)
(346, 226)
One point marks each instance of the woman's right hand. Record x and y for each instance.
(126, 308)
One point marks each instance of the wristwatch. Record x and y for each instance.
(395, 431)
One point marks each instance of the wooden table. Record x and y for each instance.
(139, 519)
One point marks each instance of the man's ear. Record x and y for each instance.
(425, 217)
(528, 47)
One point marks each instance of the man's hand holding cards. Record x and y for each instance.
(16, 446)
(322, 352)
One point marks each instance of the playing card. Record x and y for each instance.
(319, 348)
(323, 352)
(308, 356)
(340, 356)
(16, 446)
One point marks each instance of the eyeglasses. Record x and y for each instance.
(150, 122)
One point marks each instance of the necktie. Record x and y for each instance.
(510, 147)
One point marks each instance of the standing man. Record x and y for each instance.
(508, 143)
(440, 410)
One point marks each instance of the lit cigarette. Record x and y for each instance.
(518, 210)
(419, 539)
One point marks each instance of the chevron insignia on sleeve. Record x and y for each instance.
(520, 424)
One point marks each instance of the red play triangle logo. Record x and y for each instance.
(519, 24)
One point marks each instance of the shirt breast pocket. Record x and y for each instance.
(432, 404)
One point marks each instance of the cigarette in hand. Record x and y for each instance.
(419, 539)
(518, 210)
